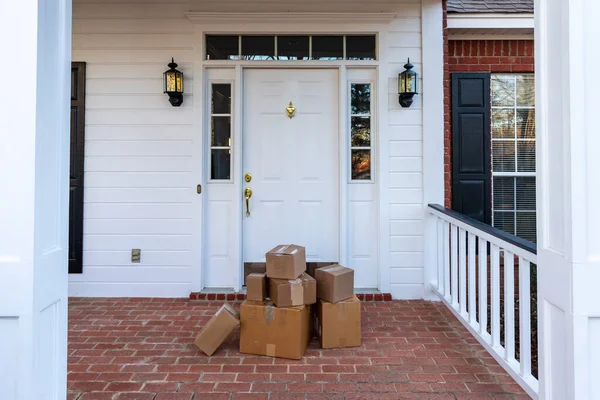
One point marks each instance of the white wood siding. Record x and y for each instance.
(141, 162)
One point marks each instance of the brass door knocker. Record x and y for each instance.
(291, 110)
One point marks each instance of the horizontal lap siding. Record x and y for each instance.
(405, 147)
(139, 180)
(140, 184)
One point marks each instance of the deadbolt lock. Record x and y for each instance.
(248, 177)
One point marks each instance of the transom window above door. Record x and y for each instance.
(291, 47)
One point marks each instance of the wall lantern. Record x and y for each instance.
(407, 85)
(174, 84)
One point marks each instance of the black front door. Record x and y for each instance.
(76, 172)
(471, 146)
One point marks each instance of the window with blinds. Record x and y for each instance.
(513, 154)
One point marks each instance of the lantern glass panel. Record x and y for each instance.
(179, 82)
(170, 80)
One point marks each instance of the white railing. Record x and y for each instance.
(464, 286)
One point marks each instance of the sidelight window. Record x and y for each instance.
(513, 154)
(220, 131)
(360, 131)
(291, 47)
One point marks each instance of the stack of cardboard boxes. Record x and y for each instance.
(284, 325)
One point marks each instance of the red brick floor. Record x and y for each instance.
(142, 349)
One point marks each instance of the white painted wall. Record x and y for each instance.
(143, 157)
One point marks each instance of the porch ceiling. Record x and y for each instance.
(340, 6)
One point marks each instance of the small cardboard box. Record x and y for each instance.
(312, 266)
(339, 323)
(256, 287)
(286, 262)
(293, 292)
(275, 332)
(216, 330)
(334, 283)
(254, 267)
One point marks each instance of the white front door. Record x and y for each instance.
(294, 163)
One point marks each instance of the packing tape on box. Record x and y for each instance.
(297, 292)
(270, 350)
(269, 313)
(333, 269)
(282, 249)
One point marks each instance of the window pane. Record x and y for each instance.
(292, 47)
(220, 164)
(361, 164)
(360, 98)
(525, 90)
(503, 156)
(505, 221)
(222, 48)
(504, 193)
(526, 228)
(526, 156)
(526, 193)
(526, 124)
(360, 47)
(503, 123)
(327, 47)
(503, 90)
(258, 47)
(221, 131)
(361, 131)
(221, 98)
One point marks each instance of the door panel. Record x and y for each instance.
(294, 163)
(471, 146)
(76, 167)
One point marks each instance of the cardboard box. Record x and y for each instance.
(293, 292)
(339, 323)
(312, 266)
(217, 329)
(286, 262)
(275, 332)
(334, 283)
(254, 267)
(256, 287)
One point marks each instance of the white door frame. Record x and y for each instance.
(237, 149)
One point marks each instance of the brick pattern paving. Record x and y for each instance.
(142, 349)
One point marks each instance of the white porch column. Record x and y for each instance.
(433, 131)
(35, 38)
(568, 197)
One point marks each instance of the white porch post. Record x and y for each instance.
(568, 197)
(433, 130)
(35, 38)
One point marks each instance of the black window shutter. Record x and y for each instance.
(471, 146)
(76, 174)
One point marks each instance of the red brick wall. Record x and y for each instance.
(477, 56)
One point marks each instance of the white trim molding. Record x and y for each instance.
(288, 17)
(490, 26)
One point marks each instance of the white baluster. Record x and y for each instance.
(446, 260)
(440, 255)
(454, 265)
(483, 287)
(462, 273)
(472, 285)
(509, 305)
(495, 289)
(525, 316)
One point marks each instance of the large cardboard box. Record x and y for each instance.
(334, 283)
(256, 287)
(286, 261)
(275, 332)
(339, 323)
(293, 292)
(217, 329)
